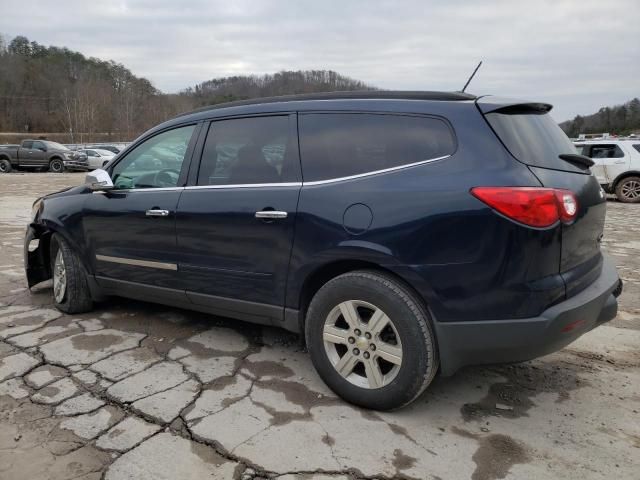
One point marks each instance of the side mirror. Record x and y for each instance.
(98, 180)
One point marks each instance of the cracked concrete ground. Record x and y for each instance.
(140, 391)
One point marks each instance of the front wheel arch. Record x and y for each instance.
(56, 159)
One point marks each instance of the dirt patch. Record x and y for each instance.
(496, 454)
(97, 342)
(513, 398)
(401, 461)
(207, 454)
(50, 391)
(269, 368)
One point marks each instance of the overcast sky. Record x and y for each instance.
(577, 54)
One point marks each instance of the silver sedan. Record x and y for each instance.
(97, 158)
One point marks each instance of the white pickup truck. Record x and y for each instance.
(617, 166)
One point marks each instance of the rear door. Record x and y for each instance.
(611, 158)
(236, 220)
(534, 138)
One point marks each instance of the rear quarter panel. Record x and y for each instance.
(466, 261)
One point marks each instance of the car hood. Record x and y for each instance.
(63, 193)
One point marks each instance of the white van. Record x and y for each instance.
(617, 166)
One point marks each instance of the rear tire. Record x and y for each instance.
(5, 166)
(628, 190)
(70, 288)
(382, 369)
(56, 166)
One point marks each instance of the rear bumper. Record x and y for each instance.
(503, 341)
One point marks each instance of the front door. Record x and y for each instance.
(235, 224)
(130, 230)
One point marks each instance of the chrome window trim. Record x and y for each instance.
(375, 172)
(245, 185)
(285, 184)
(137, 263)
(150, 189)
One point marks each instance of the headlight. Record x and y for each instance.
(68, 156)
(37, 205)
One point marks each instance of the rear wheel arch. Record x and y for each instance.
(622, 176)
(616, 185)
(323, 274)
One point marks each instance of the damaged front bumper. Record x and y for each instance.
(76, 165)
(35, 258)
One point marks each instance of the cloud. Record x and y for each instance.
(578, 55)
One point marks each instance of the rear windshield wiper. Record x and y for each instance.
(579, 161)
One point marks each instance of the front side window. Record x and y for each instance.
(38, 146)
(156, 162)
(248, 151)
(335, 145)
(637, 146)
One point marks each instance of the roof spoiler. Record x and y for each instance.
(489, 103)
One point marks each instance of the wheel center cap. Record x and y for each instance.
(362, 343)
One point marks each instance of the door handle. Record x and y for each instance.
(271, 214)
(157, 213)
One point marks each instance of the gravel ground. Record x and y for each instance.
(138, 391)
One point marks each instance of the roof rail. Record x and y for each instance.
(344, 95)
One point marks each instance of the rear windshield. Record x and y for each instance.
(533, 138)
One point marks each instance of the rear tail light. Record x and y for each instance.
(531, 206)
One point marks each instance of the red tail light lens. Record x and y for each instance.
(531, 206)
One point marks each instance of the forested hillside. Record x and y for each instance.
(53, 89)
(282, 83)
(618, 120)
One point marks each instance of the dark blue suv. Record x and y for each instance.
(402, 233)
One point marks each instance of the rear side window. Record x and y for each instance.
(27, 144)
(532, 137)
(336, 145)
(637, 146)
(249, 151)
(605, 151)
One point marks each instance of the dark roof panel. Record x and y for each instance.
(346, 95)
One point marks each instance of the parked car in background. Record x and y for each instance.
(401, 233)
(96, 157)
(112, 148)
(41, 155)
(617, 166)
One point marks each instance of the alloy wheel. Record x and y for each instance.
(362, 344)
(631, 189)
(59, 278)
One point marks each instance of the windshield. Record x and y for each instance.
(55, 146)
(533, 138)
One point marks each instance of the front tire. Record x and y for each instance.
(70, 288)
(5, 166)
(56, 166)
(628, 190)
(371, 341)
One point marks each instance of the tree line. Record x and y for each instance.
(619, 120)
(53, 89)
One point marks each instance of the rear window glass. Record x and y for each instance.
(336, 145)
(533, 138)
